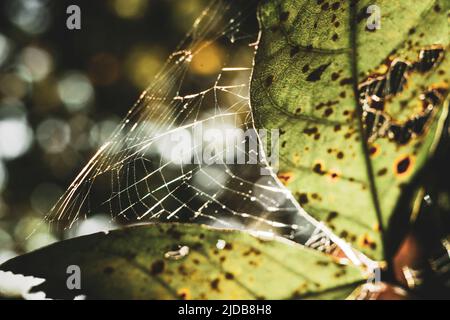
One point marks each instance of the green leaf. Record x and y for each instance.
(133, 263)
(314, 63)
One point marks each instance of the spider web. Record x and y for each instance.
(139, 176)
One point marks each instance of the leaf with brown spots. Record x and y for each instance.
(361, 111)
(132, 264)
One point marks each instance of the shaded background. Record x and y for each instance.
(62, 92)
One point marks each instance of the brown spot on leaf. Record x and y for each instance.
(340, 273)
(320, 106)
(182, 270)
(366, 241)
(310, 131)
(253, 251)
(229, 276)
(303, 198)
(382, 172)
(328, 112)
(157, 267)
(336, 5)
(331, 216)
(269, 80)
(286, 177)
(403, 165)
(215, 284)
(325, 6)
(374, 150)
(284, 16)
(362, 14)
(184, 293)
(316, 74)
(318, 169)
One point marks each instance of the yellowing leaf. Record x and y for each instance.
(360, 111)
(182, 261)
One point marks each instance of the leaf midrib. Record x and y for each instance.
(353, 8)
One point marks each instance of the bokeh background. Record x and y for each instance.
(62, 92)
